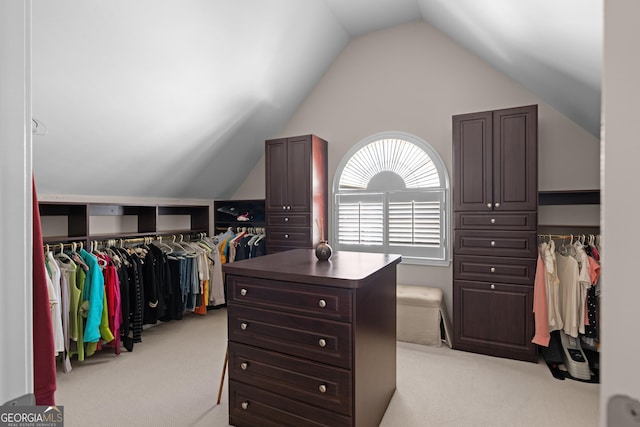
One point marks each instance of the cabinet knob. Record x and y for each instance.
(489, 205)
(243, 292)
(284, 208)
(245, 405)
(322, 388)
(497, 205)
(322, 303)
(286, 219)
(243, 326)
(493, 220)
(493, 269)
(493, 243)
(322, 342)
(288, 208)
(286, 236)
(493, 286)
(245, 365)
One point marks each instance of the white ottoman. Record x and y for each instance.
(420, 312)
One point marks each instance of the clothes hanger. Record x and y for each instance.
(167, 249)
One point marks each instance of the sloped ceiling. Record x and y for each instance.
(175, 98)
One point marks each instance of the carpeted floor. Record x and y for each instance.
(172, 379)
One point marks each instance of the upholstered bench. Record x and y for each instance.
(421, 315)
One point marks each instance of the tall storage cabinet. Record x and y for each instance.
(296, 192)
(495, 193)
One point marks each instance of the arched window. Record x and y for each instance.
(392, 195)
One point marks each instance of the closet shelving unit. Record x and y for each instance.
(223, 220)
(568, 197)
(78, 218)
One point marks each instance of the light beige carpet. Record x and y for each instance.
(172, 378)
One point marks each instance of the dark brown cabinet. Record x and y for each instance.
(495, 193)
(494, 318)
(495, 160)
(301, 338)
(296, 191)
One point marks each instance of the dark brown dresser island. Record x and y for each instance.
(311, 342)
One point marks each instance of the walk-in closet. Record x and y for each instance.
(207, 210)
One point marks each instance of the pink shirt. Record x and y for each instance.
(540, 308)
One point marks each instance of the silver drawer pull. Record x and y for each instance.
(288, 208)
(493, 269)
(489, 205)
(322, 342)
(243, 326)
(286, 236)
(245, 405)
(493, 243)
(284, 208)
(493, 286)
(497, 205)
(322, 303)
(244, 366)
(286, 219)
(243, 292)
(493, 220)
(322, 388)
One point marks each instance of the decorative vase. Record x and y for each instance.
(323, 251)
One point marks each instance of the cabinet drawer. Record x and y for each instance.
(321, 385)
(289, 220)
(495, 319)
(520, 271)
(495, 220)
(289, 236)
(251, 406)
(329, 303)
(521, 244)
(324, 341)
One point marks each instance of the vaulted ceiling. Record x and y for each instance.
(140, 98)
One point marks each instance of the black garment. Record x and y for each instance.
(259, 248)
(162, 279)
(593, 302)
(243, 248)
(136, 293)
(150, 312)
(173, 298)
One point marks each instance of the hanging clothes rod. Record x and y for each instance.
(151, 238)
(565, 236)
(61, 246)
(146, 239)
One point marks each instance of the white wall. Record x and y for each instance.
(621, 151)
(412, 78)
(16, 333)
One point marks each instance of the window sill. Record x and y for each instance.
(426, 262)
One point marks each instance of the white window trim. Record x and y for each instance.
(445, 186)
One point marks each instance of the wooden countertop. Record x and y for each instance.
(344, 269)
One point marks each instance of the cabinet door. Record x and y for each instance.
(276, 175)
(472, 162)
(494, 319)
(515, 152)
(299, 174)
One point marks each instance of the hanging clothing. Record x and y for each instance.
(92, 297)
(44, 362)
(552, 283)
(55, 301)
(540, 308)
